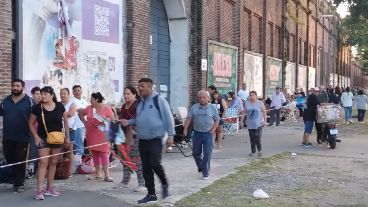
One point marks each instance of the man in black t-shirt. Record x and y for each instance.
(310, 114)
(16, 109)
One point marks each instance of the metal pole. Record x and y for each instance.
(283, 49)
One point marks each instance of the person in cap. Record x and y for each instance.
(278, 99)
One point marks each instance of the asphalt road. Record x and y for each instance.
(181, 171)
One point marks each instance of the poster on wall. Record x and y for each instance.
(290, 77)
(253, 73)
(311, 78)
(69, 42)
(336, 78)
(274, 67)
(222, 66)
(302, 77)
(332, 76)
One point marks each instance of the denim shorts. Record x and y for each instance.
(308, 127)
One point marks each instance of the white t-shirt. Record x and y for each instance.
(277, 100)
(71, 120)
(80, 104)
(243, 94)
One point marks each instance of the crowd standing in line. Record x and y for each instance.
(148, 125)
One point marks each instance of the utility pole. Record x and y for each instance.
(283, 49)
(307, 57)
(264, 48)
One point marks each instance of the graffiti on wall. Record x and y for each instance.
(222, 66)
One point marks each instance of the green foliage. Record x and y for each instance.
(355, 26)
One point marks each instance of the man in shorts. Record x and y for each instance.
(309, 117)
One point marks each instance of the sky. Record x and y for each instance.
(343, 10)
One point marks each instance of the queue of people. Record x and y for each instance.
(148, 125)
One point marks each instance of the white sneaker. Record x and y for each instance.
(204, 178)
(139, 188)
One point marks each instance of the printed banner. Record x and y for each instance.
(302, 77)
(274, 67)
(222, 66)
(290, 77)
(74, 42)
(311, 78)
(253, 73)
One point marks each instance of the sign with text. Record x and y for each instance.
(274, 67)
(222, 66)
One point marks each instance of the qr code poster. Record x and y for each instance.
(100, 21)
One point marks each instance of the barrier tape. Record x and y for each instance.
(48, 156)
(66, 152)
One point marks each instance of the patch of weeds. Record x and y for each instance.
(225, 191)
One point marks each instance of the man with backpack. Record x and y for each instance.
(153, 123)
(16, 109)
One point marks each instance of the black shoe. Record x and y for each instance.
(148, 199)
(19, 189)
(165, 191)
(199, 170)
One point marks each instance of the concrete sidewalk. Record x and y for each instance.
(182, 172)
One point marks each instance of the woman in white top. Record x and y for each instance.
(347, 102)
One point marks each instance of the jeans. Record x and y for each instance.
(275, 114)
(348, 113)
(255, 139)
(16, 152)
(150, 151)
(361, 114)
(202, 140)
(77, 137)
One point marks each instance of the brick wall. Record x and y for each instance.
(137, 40)
(6, 32)
(6, 62)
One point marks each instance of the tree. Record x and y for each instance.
(355, 26)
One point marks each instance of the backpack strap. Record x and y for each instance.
(155, 102)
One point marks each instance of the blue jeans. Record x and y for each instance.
(77, 137)
(348, 113)
(202, 140)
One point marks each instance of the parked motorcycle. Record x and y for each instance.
(329, 134)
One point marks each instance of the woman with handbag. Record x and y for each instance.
(49, 138)
(129, 111)
(97, 115)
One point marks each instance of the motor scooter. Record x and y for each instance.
(329, 134)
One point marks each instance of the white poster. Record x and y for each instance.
(302, 77)
(311, 78)
(74, 42)
(290, 76)
(332, 77)
(253, 73)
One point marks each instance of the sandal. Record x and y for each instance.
(109, 179)
(95, 177)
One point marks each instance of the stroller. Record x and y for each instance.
(180, 141)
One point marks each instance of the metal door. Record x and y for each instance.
(160, 48)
